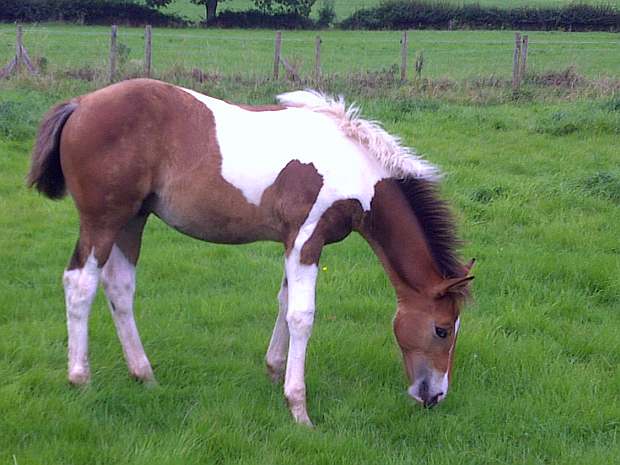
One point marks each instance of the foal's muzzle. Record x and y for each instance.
(427, 394)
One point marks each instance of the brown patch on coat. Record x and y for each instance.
(336, 223)
(292, 196)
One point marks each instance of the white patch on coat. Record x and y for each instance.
(441, 384)
(80, 288)
(256, 146)
(119, 282)
(445, 382)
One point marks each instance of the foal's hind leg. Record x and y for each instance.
(119, 282)
(278, 345)
(80, 282)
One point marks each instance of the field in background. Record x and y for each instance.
(451, 54)
(344, 8)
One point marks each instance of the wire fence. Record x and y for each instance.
(450, 54)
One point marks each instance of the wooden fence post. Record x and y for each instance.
(516, 62)
(112, 71)
(404, 42)
(419, 64)
(317, 59)
(523, 67)
(276, 58)
(19, 46)
(20, 59)
(148, 50)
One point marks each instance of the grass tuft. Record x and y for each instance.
(488, 194)
(604, 184)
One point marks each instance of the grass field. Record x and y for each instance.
(344, 8)
(453, 54)
(535, 184)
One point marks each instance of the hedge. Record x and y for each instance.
(416, 14)
(250, 19)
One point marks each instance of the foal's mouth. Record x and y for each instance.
(423, 396)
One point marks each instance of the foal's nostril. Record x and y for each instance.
(432, 401)
(423, 392)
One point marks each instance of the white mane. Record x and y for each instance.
(398, 160)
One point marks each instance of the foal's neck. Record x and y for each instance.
(396, 236)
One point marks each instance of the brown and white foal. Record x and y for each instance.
(304, 173)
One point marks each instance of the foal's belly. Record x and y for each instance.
(216, 221)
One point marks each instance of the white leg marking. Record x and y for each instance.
(119, 282)
(300, 317)
(80, 289)
(278, 345)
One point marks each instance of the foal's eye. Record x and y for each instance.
(441, 332)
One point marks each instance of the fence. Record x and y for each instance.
(304, 55)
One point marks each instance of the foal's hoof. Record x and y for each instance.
(303, 420)
(150, 383)
(148, 379)
(300, 414)
(143, 373)
(79, 377)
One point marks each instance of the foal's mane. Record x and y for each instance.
(437, 223)
(397, 159)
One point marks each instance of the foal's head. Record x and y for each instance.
(426, 326)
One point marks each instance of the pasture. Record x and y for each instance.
(535, 184)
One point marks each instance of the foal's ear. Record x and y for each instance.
(453, 286)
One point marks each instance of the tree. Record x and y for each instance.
(210, 8)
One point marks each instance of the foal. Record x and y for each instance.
(305, 173)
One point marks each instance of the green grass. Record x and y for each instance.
(453, 54)
(344, 8)
(536, 187)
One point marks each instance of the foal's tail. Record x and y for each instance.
(45, 171)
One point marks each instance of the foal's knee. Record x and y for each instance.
(300, 321)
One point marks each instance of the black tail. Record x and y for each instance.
(45, 171)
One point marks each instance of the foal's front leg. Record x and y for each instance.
(300, 317)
